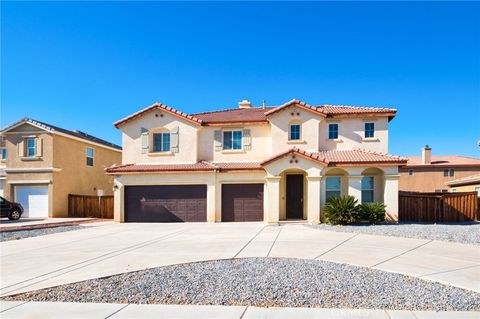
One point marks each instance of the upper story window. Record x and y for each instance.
(30, 147)
(369, 130)
(333, 131)
(232, 140)
(294, 132)
(161, 142)
(333, 187)
(4, 153)
(448, 172)
(90, 154)
(367, 189)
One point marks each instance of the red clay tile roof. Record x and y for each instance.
(342, 157)
(227, 166)
(200, 166)
(472, 179)
(254, 114)
(151, 168)
(443, 161)
(160, 106)
(259, 114)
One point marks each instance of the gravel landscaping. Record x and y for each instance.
(279, 282)
(20, 234)
(466, 233)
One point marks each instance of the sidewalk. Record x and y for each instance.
(14, 309)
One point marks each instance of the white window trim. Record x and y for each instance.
(92, 157)
(299, 140)
(152, 139)
(232, 150)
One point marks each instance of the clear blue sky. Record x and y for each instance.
(85, 65)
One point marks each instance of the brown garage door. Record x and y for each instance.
(166, 203)
(242, 202)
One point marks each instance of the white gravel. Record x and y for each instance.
(265, 282)
(466, 233)
(20, 234)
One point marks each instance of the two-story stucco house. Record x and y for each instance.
(44, 163)
(252, 163)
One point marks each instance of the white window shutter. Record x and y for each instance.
(144, 140)
(247, 140)
(218, 141)
(38, 147)
(174, 139)
(21, 149)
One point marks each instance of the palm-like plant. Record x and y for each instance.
(340, 210)
(373, 212)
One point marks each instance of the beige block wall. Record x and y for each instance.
(351, 133)
(260, 144)
(430, 179)
(75, 177)
(132, 140)
(465, 188)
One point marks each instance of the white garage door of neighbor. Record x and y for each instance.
(34, 200)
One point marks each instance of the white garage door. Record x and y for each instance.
(34, 200)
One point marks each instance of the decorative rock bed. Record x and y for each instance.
(265, 282)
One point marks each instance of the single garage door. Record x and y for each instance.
(34, 200)
(242, 202)
(166, 203)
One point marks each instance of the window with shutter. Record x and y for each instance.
(218, 141)
(144, 138)
(247, 140)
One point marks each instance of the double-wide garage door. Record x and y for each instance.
(166, 203)
(242, 202)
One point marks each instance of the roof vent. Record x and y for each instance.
(244, 104)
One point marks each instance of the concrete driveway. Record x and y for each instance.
(93, 252)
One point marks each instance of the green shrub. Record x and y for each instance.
(340, 210)
(372, 212)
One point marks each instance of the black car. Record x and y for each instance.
(10, 209)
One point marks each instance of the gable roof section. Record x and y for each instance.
(161, 107)
(296, 103)
(443, 161)
(472, 179)
(55, 129)
(342, 157)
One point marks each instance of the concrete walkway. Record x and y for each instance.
(61, 258)
(17, 310)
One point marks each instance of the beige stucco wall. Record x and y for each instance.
(260, 144)
(430, 179)
(309, 131)
(75, 177)
(351, 132)
(132, 140)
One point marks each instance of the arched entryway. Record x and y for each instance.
(293, 199)
(372, 185)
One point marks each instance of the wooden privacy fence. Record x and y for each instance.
(90, 206)
(437, 207)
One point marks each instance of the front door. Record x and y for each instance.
(294, 191)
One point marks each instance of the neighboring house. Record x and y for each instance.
(429, 173)
(45, 163)
(252, 163)
(466, 184)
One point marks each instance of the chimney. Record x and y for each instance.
(426, 155)
(264, 105)
(244, 104)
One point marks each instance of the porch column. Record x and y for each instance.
(118, 200)
(313, 198)
(355, 186)
(272, 214)
(211, 201)
(390, 195)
